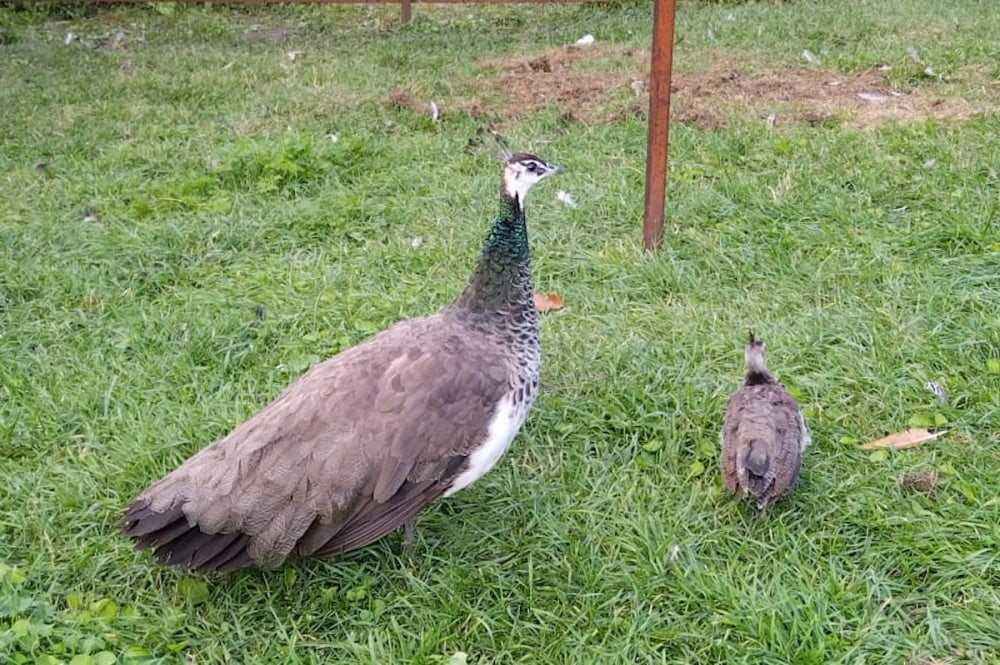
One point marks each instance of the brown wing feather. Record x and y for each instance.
(376, 519)
(357, 445)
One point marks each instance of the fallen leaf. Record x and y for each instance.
(927, 420)
(545, 302)
(908, 439)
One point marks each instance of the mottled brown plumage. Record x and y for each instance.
(763, 436)
(364, 441)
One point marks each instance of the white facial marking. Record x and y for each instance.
(507, 420)
(519, 177)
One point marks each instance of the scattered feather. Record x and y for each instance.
(638, 86)
(586, 40)
(675, 555)
(333, 137)
(930, 163)
(69, 38)
(416, 242)
(938, 390)
(929, 71)
(883, 68)
(710, 33)
(90, 215)
(912, 52)
(872, 96)
(566, 198)
(910, 438)
(772, 119)
(809, 56)
(118, 40)
(293, 55)
(546, 302)
(435, 112)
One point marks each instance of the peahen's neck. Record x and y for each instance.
(501, 283)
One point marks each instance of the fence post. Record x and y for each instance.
(659, 123)
(407, 10)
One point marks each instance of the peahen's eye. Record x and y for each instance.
(531, 167)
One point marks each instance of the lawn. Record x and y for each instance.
(197, 204)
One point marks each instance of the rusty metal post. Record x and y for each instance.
(659, 123)
(407, 11)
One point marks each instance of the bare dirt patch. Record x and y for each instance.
(589, 84)
(401, 99)
(257, 34)
(790, 95)
(604, 84)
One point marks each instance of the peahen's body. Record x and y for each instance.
(364, 441)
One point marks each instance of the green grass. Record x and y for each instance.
(128, 342)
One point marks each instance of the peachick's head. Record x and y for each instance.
(522, 171)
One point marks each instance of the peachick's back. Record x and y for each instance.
(763, 437)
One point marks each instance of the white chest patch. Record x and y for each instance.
(507, 420)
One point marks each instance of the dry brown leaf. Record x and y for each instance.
(909, 439)
(545, 302)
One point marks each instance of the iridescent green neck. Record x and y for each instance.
(501, 282)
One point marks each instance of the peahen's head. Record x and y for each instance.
(521, 172)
